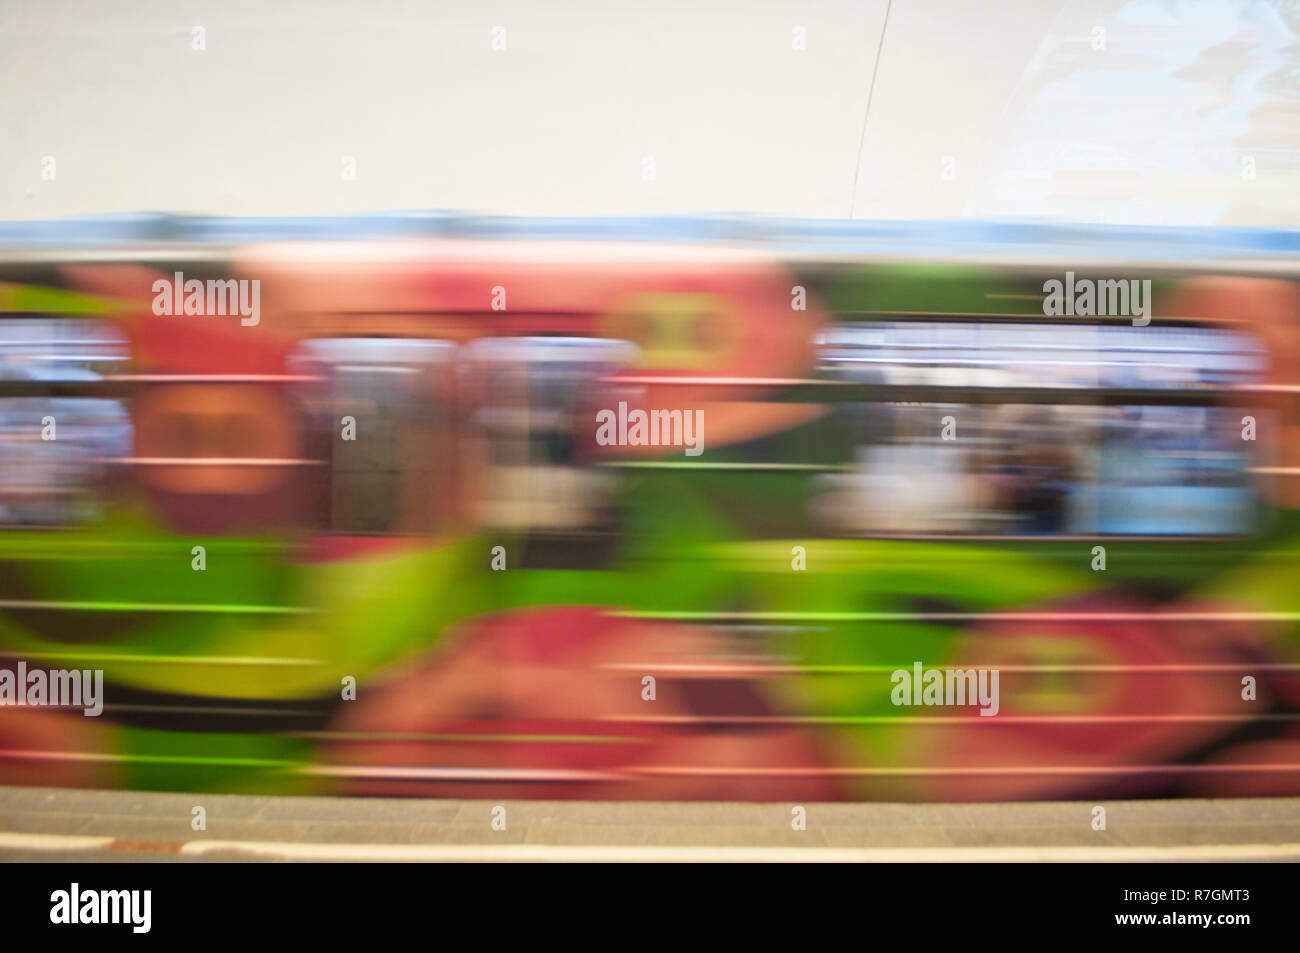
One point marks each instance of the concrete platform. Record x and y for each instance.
(44, 824)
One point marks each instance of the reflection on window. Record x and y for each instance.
(533, 390)
(58, 349)
(1039, 469)
(54, 450)
(386, 467)
(1041, 355)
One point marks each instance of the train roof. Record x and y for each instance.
(826, 238)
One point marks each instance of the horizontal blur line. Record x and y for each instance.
(714, 381)
(111, 379)
(1052, 537)
(53, 342)
(317, 851)
(197, 607)
(415, 736)
(829, 391)
(208, 461)
(942, 362)
(327, 771)
(135, 252)
(761, 669)
(690, 771)
(963, 616)
(50, 358)
(1112, 348)
(399, 773)
(214, 378)
(826, 391)
(211, 710)
(1282, 471)
(883, 391)
(457, 774)
(943, 719)
(689, 465)
(703, 853)
(24, 705)
(946, 315)
(78, 756)
(121, 545)
(1035, 317)
(163, 659)
(121, 385)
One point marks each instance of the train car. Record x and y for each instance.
(423, 506)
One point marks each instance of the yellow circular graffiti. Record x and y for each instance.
(688, 331)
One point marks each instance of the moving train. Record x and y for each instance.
(327, 503)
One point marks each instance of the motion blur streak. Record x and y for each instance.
(372, 544)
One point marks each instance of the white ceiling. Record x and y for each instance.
(1009, 98)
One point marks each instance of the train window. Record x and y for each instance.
(991, 355)
(54, 450)
(382, 427)
(981, 462)
(530, 393)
